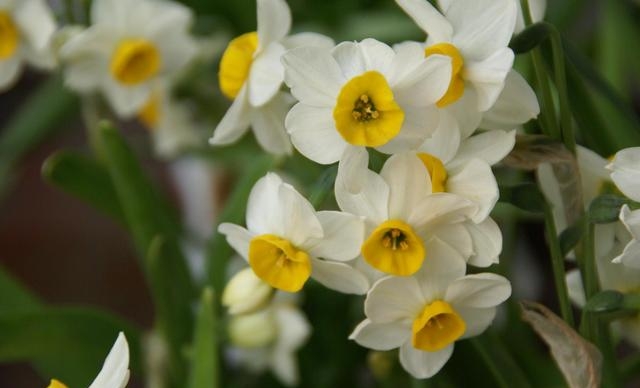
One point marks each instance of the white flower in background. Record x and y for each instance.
(129, 46)
(26, 30)
(270, 338)
(251, 74)
(246, 293)
(630, 256)
(625, 172)
(402, 216)
(285, 238)
(425, 314)
(362, 94)
(536, 7)
(115, 370)
(475, 34)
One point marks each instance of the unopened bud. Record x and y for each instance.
(246, 293)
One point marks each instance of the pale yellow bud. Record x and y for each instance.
(246, 293)
(253, 330)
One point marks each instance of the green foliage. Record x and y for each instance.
(204, 357)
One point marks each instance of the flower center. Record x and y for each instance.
(135, 61)
(56, 384)
(9, 36)
(236, 63)
(456, 85)
(437, 326)
(279, 263)
(366, 113)
(437, 172)
(394, 248)
(149, 115)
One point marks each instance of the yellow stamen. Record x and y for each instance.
(9, 36)
(394, 248)
(135, 61)
(366, 113)
(437, 172)
(236, 63)
(56, 384)
(150, 113)
(456, 85)
(437, 326)
(279, 263)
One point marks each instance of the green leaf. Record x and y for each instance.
(15, 298)
(606, 208)
(570, 237)
(323, 187)
(607, 301)
(69, 344)
(525, 196)
(530, 38)
(204, 362)
(84, 178)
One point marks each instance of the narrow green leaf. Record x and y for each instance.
(525, 196)
(530, 38)
(570, 237)
(204, 362)
(606, 208)
(84, 178)
(607, 301)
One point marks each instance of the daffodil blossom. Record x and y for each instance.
(26, 30)
(426, 313)
(129, 46)
(630, 256)
(625, 172)
(362, 94)
(251, 74)
(285, 239)
(402, 215)
(115, 370)
(536, 7)
(270, 338)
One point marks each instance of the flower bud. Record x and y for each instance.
(246, 293)
(253, 330)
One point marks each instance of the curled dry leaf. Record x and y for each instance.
(579, 360)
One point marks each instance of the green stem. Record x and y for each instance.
(489, 361)
(567, 131)
(68, 12)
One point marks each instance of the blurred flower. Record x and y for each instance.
(630, 257)
(625, 172)
(425, 314)
(286, 237)
(129, 46)
(26, 31)
(363, 94)
(251, 75)
(536, 7)
(246, 293)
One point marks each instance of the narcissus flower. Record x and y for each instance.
(425, 314)
(536, 7)
(285, 239)
(129, 46)
(251, 75)
(362, 94)
(625, 172)
(630, 256)
(26, 30)
(115, 370)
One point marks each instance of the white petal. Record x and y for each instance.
(465, 112)
(115, 370)
(343, 236)
(109, 11)
(631, 221)
(238, 237)
(516, 104)
(36, 22)
(87, 56)
(428, 18)
(482, 27)
(377, 56)
(268, 125)
(235, 122)
(456, 236)
(177, 50)
(266, 75)
(426, 84)
(488, 77)
(360, 191)
(274, 21)
(394, 299)
(350, 58)
(340, 277)
(476, 320)
(381, 336)
(626, 172)
(314, 134)
(168, 18)
(409, 56)
(307, 39)
(442, 265)
(630, 257)
(293, 322)
(490, 146)
(593, 173)
(444, 141)
(421, 364)
(487, 242)
(441, 208)
(313, 75)
(475, 181)
(575, 287)
(409, 181)
(10, 70)
(482, 290)
(419, 123)
(284, 367)
(126, 101)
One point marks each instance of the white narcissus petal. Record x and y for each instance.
(176, 51)
(87, 58)
(482, 290)
(340, 277)
(456, 236)
(377, 56)
(409, 182)
(631, 220)
(630, 257)
(115, 370)
(343, 236)
(394, 299)
(349, 57)
(487, 242)
(313, 76)
(421, 364)
(9, 71)
(238, 237)
(293, 322)
(418, 124)
(428, 19)
(36, 22)
(408, 57)
(465, 112)
(381, 336)
(268, 125)
(235, 122)
(481, 27)
(442, 265)
(266, 75)
(274, 21)
(314, 134)
(109, 11)
(445, 141)
(283, 364)
(168, 16)
(307, 39)
(490, 146)
(441, 208)
(626, 172)
(488, 75)
(593, 173)
(476, 320)
(426, 84)
(516, 104)
(475, 181)
(126, 101)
